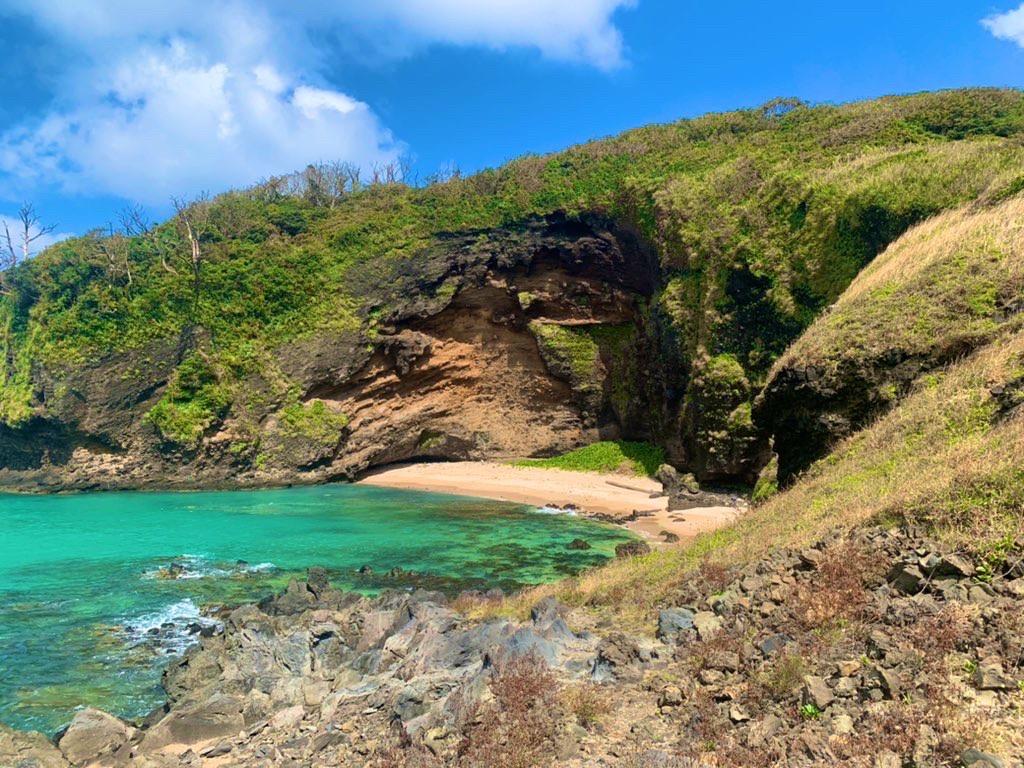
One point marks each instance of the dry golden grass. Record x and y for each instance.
(950, 455)
(941, 287)
(946, 457)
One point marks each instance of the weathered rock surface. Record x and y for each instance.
(805, 658)
(451, 342)
(95, 736)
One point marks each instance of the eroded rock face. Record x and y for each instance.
(809, 408)
(446, 365)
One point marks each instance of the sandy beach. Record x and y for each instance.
(635, 502)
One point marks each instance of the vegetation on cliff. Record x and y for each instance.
(759, 219)
(945, 452)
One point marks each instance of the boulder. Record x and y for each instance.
(817, 692)
(674, 621)
(578, 544)
(633, 548)
(707, 624)
(94, 736)
(28, 749)
(907, 578)
(670, 696)
(973, 758)
(216, 717)
(990, 677)
(773, 644)
(760, 732)
(956, 566)
(317, 581)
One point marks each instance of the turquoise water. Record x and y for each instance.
(88, 617)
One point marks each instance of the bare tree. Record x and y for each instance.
(19, 246)
(134, 222)
(116, 243)
(192, 218)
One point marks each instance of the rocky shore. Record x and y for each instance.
(877, 648)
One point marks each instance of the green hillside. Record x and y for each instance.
(759, 220)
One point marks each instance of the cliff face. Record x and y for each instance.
(500, 343)
(647, 286)
(946, 289)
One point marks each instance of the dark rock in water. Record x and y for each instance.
(396, 573)
(673, 621)
(632, 549)
(317, 580)
(194, 628)
(365, 570)
(241, 563)
(578, 544)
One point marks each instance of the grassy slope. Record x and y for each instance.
(950, 284)
(950, 456)
(761, 218)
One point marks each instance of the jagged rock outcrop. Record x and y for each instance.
(874, 647)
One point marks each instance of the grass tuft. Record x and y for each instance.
(608, 456)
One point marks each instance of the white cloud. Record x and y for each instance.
(199, 94)
(567, 30)
(177, 116)
(573, 30)
(1007, 26)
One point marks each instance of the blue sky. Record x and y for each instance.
(102, 103)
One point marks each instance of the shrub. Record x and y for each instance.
(785, 676)
(588, 703)
(518, 729)
(836, 593)
(314, 420)
(193, 401)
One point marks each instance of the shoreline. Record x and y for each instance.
(633, 502)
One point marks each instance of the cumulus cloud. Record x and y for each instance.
(1007, 26)
(165, 122)
(175, 97)
(581, 30)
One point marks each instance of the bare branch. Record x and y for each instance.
(17, 247)
(134, 222)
